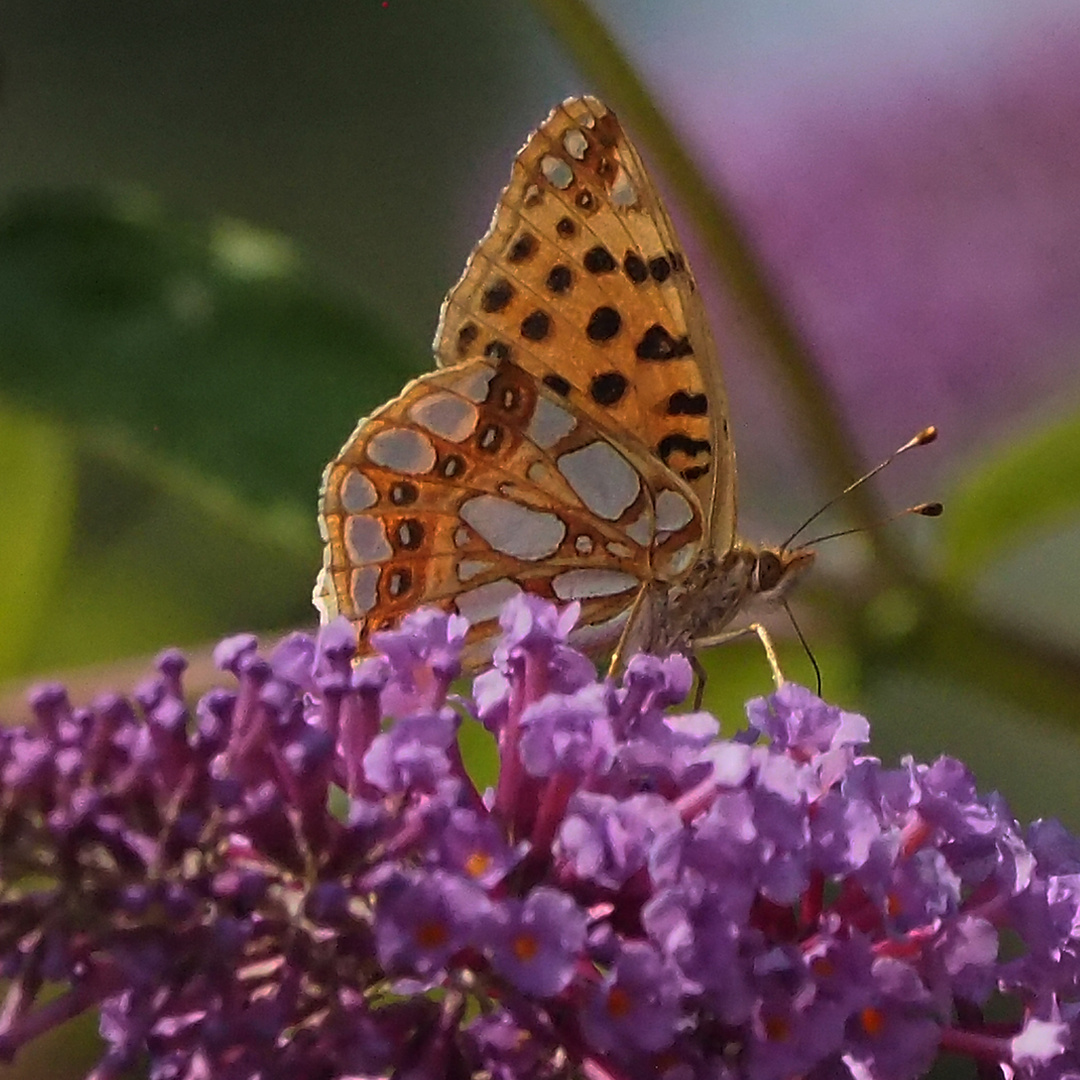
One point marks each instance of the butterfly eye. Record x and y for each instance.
(768, 572)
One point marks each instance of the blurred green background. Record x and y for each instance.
(225, 231)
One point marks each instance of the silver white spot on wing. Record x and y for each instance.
(600, 634)
(538, 472)
(681, 560)
(549, 424)
(584, 583)
(623, 192)
(583, 544)
(474, 383)
(486, 601)
(672, 511)
(558, 173)
(358, 492)
(366, 540)
(576, 144)
(461, 537)
(467, 569)
(604, 480)
(402, 450)
(514, 529)
(447, 415)
(364, 588)
(323, 595)
(641, 531)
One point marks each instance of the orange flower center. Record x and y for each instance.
(432, 934)
(477, 863)
(618, 1003)
(525, 947)
(873, 1020)
(777, 1028)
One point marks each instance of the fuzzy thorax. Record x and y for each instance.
(717, 589)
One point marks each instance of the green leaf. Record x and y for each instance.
(1030, 484)
(163, 557)
(37, 502)
(206, 344)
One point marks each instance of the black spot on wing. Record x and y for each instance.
(451, 466)
(466, 337)
(558, 384)
(399, 581)
(490, 438)
(657, 344)
(660, 268)
(604, 324)
(598, 260)
(410, 534)
(559, 278)
(536, 325)
(404, 493)
(497, 296)
(683, 404)
(635, 269)
(523, 248)
(608, 387)
(678, 442)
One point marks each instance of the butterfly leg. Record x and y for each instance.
(624, 637)
(702, 678)
(734, 635)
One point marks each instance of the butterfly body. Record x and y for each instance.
(573, 442)
(715, 590)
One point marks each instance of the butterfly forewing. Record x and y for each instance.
(582, 281)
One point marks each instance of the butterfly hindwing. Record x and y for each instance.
(478, 482)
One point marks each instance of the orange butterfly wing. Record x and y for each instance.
(476, 483)
(574, 443)
(582, 281)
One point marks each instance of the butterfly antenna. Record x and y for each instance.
(927, 435)
(806, 646)
(930, 509)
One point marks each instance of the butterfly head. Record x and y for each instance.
(776, 569)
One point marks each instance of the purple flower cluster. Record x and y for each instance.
(300, 879)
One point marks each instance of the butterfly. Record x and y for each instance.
(574, 440)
